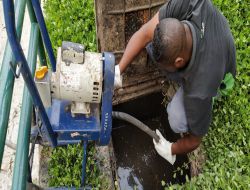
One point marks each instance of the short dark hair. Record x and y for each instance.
(168, 40)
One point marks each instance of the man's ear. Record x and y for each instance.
(179, 62)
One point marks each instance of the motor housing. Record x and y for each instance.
(79, 82)
(78, 78)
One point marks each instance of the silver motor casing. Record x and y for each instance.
(78, 79)
(78, 82)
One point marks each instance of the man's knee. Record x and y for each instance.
(176, 113)
(177, 121)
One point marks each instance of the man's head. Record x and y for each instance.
(169, 44)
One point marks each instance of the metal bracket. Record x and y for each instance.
(106, 119)
(72, 53)
(16, 72)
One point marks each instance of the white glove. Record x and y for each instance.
(118, 77)
(163, 147)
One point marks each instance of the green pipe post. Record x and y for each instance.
(7, 77)
(21, 160)
(41, 51)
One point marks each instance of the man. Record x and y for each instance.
(190, 41)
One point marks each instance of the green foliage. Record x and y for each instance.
(71, 20)
(65, 167)
(227, 144)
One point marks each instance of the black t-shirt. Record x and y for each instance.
(213, 56)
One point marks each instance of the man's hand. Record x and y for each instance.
(118, 77)
(163, 147)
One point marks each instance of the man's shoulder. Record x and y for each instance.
(184, 9)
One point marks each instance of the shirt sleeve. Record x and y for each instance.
(198, 113)
(174, 9)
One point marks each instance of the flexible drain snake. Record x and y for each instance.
(135, 122)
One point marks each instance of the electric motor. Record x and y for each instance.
(79, 82)
(78, 78)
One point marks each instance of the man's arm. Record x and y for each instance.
(186, 144)
(138, 41)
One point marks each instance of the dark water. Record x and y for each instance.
(138, 164)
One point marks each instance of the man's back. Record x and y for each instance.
(213, 46)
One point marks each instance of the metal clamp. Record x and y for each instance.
(16, 72)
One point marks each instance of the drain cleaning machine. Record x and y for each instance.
(73, 98)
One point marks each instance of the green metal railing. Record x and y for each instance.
(7, 80)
